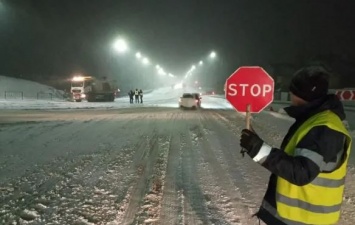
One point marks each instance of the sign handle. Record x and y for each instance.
(247, 121)
(247, 118)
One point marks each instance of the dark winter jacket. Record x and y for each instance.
(301, 170)
(131, 94)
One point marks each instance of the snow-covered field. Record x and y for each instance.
(120, 163)
(18, 89)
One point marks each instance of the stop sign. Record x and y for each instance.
(250, 85)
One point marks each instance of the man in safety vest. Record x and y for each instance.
(308, 171)
(136, 95)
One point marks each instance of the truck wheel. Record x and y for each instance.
(90, 99)
(109, 98)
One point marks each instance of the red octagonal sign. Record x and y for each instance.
(250, 85)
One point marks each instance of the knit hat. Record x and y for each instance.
(310, 83)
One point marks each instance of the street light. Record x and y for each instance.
(158, 67)
(161, 72)
(201, 63)
(138, 55)
(213, 55)
(193, 67)
(145, 61)
(120, 45)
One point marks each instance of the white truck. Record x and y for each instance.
(93, 89)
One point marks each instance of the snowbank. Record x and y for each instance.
(18, 89)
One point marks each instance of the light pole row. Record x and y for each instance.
(121, 46)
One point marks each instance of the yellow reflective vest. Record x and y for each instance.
(318, 202)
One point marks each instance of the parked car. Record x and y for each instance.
(188, 100)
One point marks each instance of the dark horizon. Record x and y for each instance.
(42, 39)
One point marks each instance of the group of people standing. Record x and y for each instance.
(137, 94)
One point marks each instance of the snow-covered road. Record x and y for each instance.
(125, 166)
(148, 165)
(119, 163)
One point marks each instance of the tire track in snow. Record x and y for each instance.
(130, 203)
(225, 200)
(193, 200)
(249, 177)
(148, 153)
(170, 202)
(150, 211)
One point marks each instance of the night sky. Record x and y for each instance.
(61, 37)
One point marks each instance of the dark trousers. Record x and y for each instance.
(141, 98)
(137, 99)
(131, 99)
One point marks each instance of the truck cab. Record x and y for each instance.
(78, 85)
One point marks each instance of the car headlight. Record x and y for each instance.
(83, 95)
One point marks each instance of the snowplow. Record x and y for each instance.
(93, 89)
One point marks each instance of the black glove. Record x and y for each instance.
(251, 142)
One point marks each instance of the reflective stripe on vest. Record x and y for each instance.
(318, 202)
(319, 181)
(319, 160)
(307, 206)
(273, 212)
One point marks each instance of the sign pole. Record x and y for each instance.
(247, 118)
(247, 121)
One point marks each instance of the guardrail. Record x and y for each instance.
(13, 95)
(21, 95)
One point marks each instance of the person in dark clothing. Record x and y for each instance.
(131, 94)
(141, 95)
(136, 95)
(308, 170)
